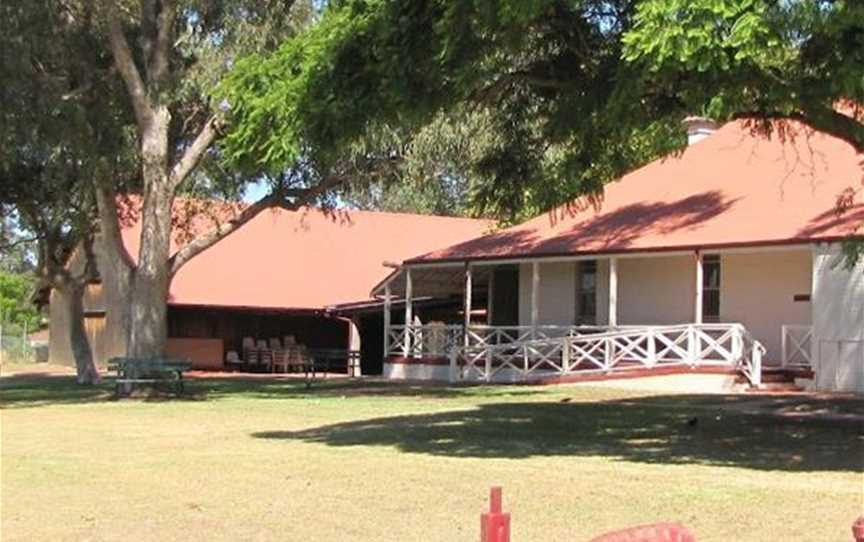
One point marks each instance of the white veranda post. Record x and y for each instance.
(697, 308)
(467, 307)
(613, 292)
(409, 314)
(354, 346)
(490, 289)
(535, 296)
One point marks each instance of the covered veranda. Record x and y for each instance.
(536, 318)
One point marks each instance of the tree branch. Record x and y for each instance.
(126, 66)
(12, 244)
(89, 271)
(161, 56)
(207, 240)
(148, 29)
(106, 201)
(494, 90)
(833, 122)
(825, 120)
(302, 197)
(193, 154)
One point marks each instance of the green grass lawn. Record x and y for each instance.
(268, 460)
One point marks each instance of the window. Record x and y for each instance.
(505, 305)
(711, 288)
(586, 292)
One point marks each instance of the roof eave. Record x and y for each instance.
(703, 247)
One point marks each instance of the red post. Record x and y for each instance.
(858, 529)
(495, 500)
(495, 525)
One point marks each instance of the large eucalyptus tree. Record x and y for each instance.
(169, 55)
(63, 128)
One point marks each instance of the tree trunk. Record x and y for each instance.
(148, 325)
(148, 296)
(80, 343)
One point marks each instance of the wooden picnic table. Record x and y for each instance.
(132, 371)
(325, 358)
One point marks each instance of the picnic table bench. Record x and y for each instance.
(131, 371)
(327, 358)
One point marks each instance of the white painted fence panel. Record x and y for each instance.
(522, 351)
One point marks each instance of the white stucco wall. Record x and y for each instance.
(838, 322)
(557, 293)
(758, 289)
(656, 290)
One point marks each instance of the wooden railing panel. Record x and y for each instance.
(796, 343)
(521, 351)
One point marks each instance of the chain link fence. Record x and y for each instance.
(16, 347)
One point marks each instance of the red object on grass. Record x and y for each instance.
(495, 525)
(658, 532)
(858, 529)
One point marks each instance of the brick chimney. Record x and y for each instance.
(698, 128)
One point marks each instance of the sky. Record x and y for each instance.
(254, 192)
(258, 190)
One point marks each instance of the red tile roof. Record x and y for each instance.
(306, 259)
(734, 188)
(40, 336)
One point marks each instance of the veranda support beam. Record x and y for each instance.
(613, 291)
(409, 313)
(621, 255)
(697, 309)
(354, 345)
(490, 304)
(535, 293)
(386, 319)
(467, 299)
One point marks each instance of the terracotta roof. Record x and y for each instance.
(734, 188)
(308, 259)
(40, 336)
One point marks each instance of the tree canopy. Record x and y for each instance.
(772, 60)
(545, 78)
(107, 98)
(17, 311)
(573, 92)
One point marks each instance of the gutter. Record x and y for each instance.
(527, 256)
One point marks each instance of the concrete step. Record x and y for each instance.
(768, 379)
(795, 372)
(778, 375)
(777, 387)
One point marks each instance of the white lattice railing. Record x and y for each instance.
(439, 339)
(795, 346)
(424, 340)
(613, 350)
(479, 335)
(750, 360)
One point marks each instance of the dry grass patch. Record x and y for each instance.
(266, 460)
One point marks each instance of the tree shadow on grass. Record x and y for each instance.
(655, 430)
(35, 390)
(32, 390)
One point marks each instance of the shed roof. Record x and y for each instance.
(734, 188)
(307, 259)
